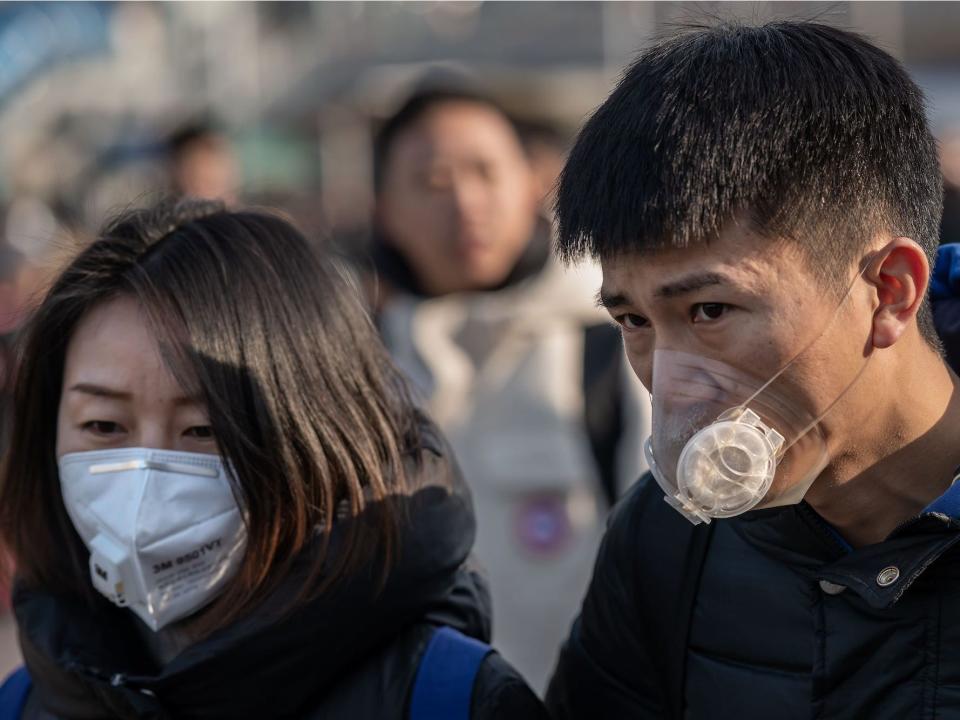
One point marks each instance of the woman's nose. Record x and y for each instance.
(154, 435)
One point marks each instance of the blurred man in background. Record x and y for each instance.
(202, 163)
(508, 353)
(15, 288)
(546, 149)
(950, 167)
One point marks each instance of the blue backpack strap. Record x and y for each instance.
(13, 694)
(443, 689)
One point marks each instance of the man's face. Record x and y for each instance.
(748, 302)
(207, 169)
(458, 199)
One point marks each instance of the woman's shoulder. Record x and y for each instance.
(501, 692)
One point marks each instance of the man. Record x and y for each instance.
(945, 300)
(508, 353)
(950, 166)
(765, 202)
(203, 163)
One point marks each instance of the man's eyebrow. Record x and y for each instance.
(691, 283)
(688, 284)
(611, 299)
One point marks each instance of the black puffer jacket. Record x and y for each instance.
(351, 654)
(768, 615)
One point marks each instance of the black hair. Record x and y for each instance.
(809, 132)
(415, 107)
(189, 134)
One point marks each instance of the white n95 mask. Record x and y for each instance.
(164, 529)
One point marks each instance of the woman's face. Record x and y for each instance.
(118, 393)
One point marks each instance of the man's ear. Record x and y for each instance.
(900, 273)
(379, 221)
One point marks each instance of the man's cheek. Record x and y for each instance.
(641, 360)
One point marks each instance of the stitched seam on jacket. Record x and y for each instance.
(818, 665)
(751, 667)
(937, 630)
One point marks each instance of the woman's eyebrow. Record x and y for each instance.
(100, 391)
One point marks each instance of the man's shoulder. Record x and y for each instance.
(643, 512)
(646, 537)
(625, 654)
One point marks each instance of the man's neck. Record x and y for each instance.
(866, 492)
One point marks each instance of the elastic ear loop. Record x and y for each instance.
(804, 349)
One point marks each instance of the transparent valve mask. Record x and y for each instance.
(725, 441)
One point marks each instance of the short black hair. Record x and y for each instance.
(187, 135)
(427, 97)
(809, 132)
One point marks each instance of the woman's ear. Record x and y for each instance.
(900, 273)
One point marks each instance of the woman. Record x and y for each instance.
(220, 500)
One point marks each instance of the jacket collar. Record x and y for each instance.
(883, 572)
(90, 661)
(392, 267)
(880, 573)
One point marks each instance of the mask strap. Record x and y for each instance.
(820, 417)
(810, 344)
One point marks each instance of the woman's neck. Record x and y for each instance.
(165, 644)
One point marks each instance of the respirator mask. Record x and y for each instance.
(725, 441)
(164, 529)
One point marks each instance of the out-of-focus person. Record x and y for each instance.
(945, 301)
(546, 148)
(222, 502)
(11, 316)
(509, 354)
(950, 167)
(203, 163)
(11, 309)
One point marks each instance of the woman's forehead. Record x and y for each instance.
(114, 348)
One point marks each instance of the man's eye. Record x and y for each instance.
(200, 432)
(436, 180)
(103, 428)
(708, 312)
(631, 321)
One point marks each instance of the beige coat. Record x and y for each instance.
(501, 373)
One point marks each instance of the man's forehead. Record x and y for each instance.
(748, 263)
(456, 127)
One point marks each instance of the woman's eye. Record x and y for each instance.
(103, 428)
(709, 312)
(200, 432)
(631, 321)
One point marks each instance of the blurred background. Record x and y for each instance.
(104, 105)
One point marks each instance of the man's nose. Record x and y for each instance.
(469, 197)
